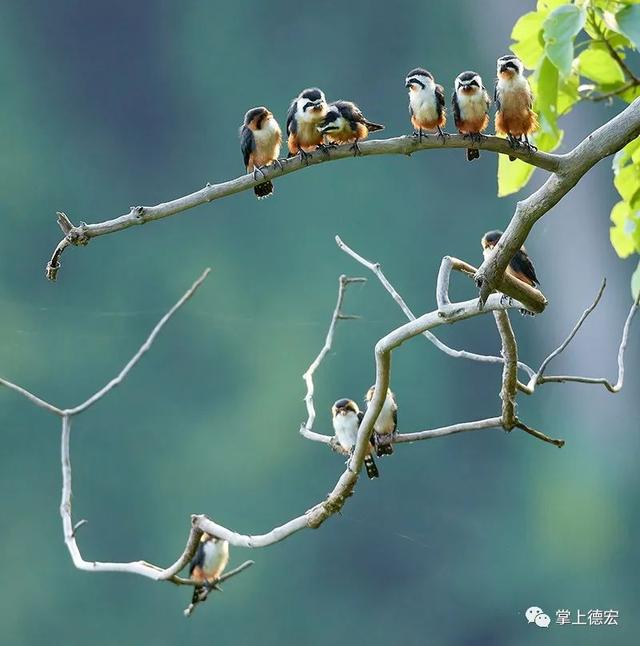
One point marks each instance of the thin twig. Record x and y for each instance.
(306, 429)
(116, 381)
(541, 436)
(34, 399)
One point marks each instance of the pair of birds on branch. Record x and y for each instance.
(313, 124)
(346, 418)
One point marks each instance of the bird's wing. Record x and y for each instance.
(521, 264)
(496, 96)
(440, 100)
(395, 419)
(247, 143)
(197, 560)
(456, 108)
(292, 125)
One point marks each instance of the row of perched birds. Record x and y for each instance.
(212, 554)
(313, 124)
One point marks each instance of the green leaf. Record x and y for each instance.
(627, 181)
(529, 45)
(635, 283)
(512, 175)
(599, 66)
(627, 154)
(546, 6)
(628, 20)
(621, 233)
(560, 28)
(568, 94)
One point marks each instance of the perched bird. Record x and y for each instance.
(305, 114)
(520, 265)
(426, 102)
(345, 123)
(207, 565)
(513, 97)
(386, 425)
(470, 108)
(346, 421)
(260, 139)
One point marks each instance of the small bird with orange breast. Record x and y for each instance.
(305, 114)
(470, 108)
(207, 565)
(426, 103)
(514, 100)
(345, 123)
(260, 139)
(519, 267)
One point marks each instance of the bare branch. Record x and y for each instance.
(541, 436)
(605, 141)
(491, 422)
(116, 381)
(306, 429)
(612, 388)
(40, 403)
(405, 145)
(452, 352)
(509, 371)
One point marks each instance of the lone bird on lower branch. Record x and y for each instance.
(520, 266)
(345, 123)
(386, 426)
(260, 139)
(346, 417)
(207, 565)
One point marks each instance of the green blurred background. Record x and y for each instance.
(106, 105)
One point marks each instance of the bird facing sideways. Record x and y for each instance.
(260, 139)
(345, 123)
(514, 100)
(470, 103)
(386, 425)
(346, 418)
(208, 563)
(520, 266)
(426, 103)
(306, 112)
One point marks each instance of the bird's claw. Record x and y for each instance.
(443, 135)
(355, 148)
(256, 170)
(278, 163)
(325, 148)
(304, 157)
(506, 300)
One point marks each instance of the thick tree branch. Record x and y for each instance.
(81, 234)
(605, 141)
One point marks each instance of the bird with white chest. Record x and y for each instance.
(470, 103)
(386, 426)
(426, 103)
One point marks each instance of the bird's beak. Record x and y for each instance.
(408, 84)
(317, 104)
(504, 68)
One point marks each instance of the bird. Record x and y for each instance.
(470, 103)
(207, 565)
(260, 139)
(346, 417)
(345, 123)
(520, 266)
(514, 99)
(305, 113)
(426, 103)
(386, 425)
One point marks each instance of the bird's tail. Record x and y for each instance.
(197, 591)
(370, 466)
(263, 190)
(372, 127)
(472, 153)
(384, 449)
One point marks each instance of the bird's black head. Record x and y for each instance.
(418, 77)
(311, 99)
(256, 116)
(490, 239)
(468, 81)
(345, 406)
(509, 64)
(330, 121)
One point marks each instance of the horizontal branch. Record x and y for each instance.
(81, 234)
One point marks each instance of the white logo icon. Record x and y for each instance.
(535, 615)
(543, 620)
